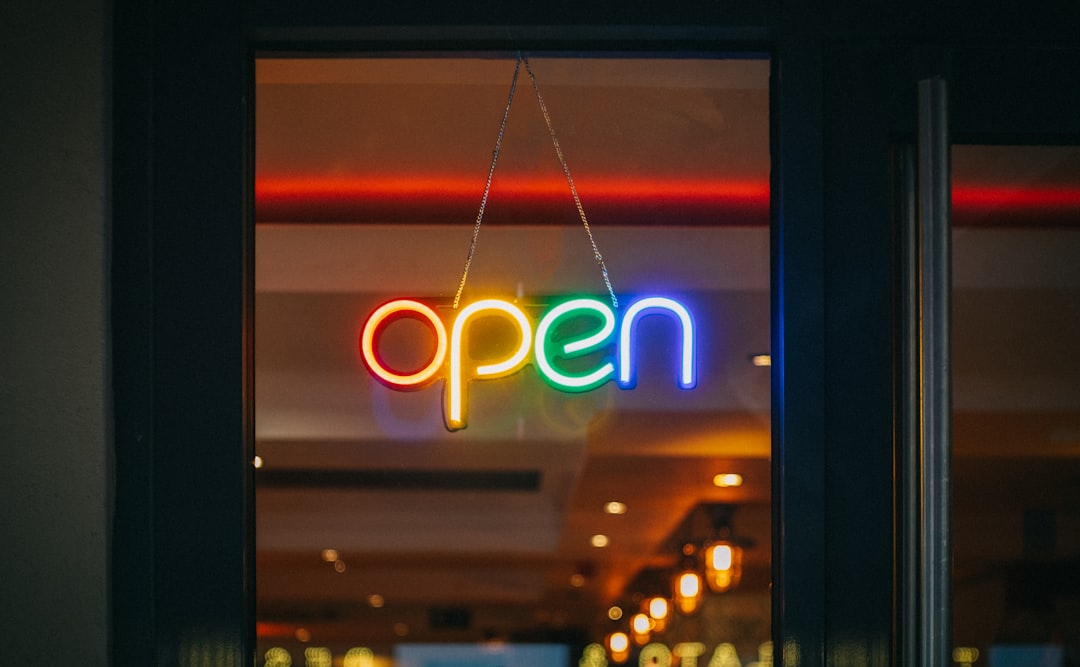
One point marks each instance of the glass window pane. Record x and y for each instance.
(1016, 420)
(555, 506)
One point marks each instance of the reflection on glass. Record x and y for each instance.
(1016, 420)
(568, 498)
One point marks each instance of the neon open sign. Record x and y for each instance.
(548, 346)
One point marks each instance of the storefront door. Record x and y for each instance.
(842, 97)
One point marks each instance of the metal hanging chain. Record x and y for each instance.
(566, 170)
(573, 190)
(487, 186)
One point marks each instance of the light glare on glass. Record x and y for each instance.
(278, 657)
(614, 613)
(318, 656)
(359, 656)
(330, 555)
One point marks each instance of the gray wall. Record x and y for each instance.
(54, 434)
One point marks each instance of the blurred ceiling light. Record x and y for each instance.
(599, 541)
(658, 609)
(723, 566)
(330, 555)
(723, 553)
(577, 580)
(615, 507)
(614, 613)
(257, 462)
(687, 591)
(727, 480)
(641, 627)
(339, 566)
(618, 645)
(761, 359)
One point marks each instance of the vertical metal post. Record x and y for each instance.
(935, 402)
(909, 497)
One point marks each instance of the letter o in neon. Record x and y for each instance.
(387, 313)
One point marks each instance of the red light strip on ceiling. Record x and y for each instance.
(525, 200)
(514, 199)
(1010, 206)
(988, 196)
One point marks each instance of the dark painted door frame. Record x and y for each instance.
(843, 98)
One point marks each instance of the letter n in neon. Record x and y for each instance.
(687, 377)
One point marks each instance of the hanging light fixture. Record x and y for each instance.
(723, 556)
(658, 609)
(641, 627)
(618, 646)
(723, 565)
(688, 589)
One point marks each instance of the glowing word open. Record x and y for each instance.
(550, 345)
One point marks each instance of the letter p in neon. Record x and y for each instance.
(456, 400)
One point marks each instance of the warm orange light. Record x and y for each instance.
(723, 566)
(761, 360)
(641, 627)
(615, 507)
(688, 591)
(618, 644)
(658, 609)
(728, 480)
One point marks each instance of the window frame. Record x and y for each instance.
(182, 556)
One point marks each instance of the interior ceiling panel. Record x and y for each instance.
(683, 134)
